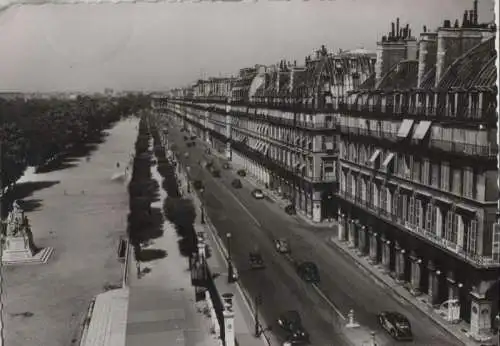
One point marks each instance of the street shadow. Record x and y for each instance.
(147, 255)
(29, 205)
(22, 191)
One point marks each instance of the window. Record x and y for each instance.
(449, 229)
(435, 175)
(375, 195)
(445, 176)
(388, 197)
(363, 190)
(425, 172)
(456, 184)
(407, 166)
(362, 154)
(411, 211)
(468, 182)
(383, 198)
(404, 210)
(471, 237)
(419, 214)
(428, 217)
(416, 170)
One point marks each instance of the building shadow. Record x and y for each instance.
(29, 205)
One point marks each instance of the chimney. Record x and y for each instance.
(401, 34)
(456, 23)
(471, 16)
(409, 33)
(475, 13)
(447, 24)
(465, 21)
(397, 26)
(407, 29)
(393, 33)
(427, 53)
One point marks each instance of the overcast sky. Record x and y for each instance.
(155, 46)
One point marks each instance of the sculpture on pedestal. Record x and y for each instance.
(17, 239)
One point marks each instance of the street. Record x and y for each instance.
(256, 223)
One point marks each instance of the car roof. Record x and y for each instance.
(395, 315)
(291, 315)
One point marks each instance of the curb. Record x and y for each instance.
(378, 280)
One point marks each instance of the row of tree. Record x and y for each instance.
(32, 131)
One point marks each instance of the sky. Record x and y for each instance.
(156, 46)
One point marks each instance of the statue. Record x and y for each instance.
(16, 221)
(17, 240)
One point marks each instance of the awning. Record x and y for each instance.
(374, 156)
(422, 129)
(387, 160)
(467, 208)
(405, 128)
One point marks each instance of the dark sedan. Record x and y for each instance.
(291, 323)
(309, 272)
(396, 324)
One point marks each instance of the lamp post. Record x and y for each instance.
(230, 273)
(202, 209)
(258, 302)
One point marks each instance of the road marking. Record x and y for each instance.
(325, 298)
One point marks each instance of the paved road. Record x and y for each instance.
(257, 223)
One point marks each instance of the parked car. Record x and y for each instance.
(291, 323)
(241, 172)
(396, 324)
(282, 245)
(290, 209)
(309, 272)
(236, 183)
(256, 261)
(258, 194)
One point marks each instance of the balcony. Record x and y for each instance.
(464, 148)
(450, 247)
(357, 131)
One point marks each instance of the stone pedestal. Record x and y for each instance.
(480, 318)
(21, 250)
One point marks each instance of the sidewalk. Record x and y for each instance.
(243, 307)
(162, 307)
(459, 330)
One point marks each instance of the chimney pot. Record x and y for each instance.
(397, 26)
(475, 12)
(393, 33)
(425, 28)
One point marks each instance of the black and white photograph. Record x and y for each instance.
(249, 173)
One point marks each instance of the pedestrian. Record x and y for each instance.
(138, 266)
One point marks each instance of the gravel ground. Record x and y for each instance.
(82, 217)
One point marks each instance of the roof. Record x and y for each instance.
(369, 83)
(475, 68)
(403, 75)
(429, 79)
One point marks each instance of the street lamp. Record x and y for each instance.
(202, 209)
(230, 274)
(258, 302)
